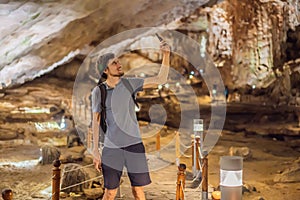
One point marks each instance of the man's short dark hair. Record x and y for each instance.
(102, 63)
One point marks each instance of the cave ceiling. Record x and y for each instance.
(38, 36)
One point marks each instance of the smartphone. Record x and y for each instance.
(160, 38)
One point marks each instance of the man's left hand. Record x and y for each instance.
(165, 48)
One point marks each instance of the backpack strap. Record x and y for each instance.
(102, 88)
(130, 89)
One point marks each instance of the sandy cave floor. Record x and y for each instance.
(270, 157)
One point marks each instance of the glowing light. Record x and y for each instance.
(160, 87)
(142, 75)
(177, 84)
(231, 178)
(191, 76)
(46, 126)
(167, 85)
(253, 87)
(63, 123)
(33, 110)
(214, 91)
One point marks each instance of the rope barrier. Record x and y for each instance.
(185, 146)
(42, 186)
(195, 189)
(183, 154)
(80, 183)
(78, 168)
(199, 162)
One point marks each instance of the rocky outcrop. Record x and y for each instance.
(259, 39)
(39, 36)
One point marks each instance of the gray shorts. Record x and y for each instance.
(133, 158)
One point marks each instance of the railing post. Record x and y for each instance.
(180, 182)
(158, 143)
(197, 167)
(7, 194)
(177, 148)
(205, 178)
(56, 180)
(193, 156)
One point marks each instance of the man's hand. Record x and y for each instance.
(97, 160)
(165, 48)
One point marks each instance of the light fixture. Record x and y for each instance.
(231, 177)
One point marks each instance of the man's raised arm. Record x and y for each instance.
(162, 76)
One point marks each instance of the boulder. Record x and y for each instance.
(8, 134)
(290, 175)
(73, 178)
(49, 154)
(244, 152)
(93, 193)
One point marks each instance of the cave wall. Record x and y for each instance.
(252, 34)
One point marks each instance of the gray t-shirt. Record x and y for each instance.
(122, 126)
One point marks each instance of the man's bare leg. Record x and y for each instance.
(110, 194)
(138, 193)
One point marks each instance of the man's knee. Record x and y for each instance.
(138, 192)
(110, 194)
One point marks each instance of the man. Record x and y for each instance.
(122, 144)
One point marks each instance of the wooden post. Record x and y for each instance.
(180, 182)
(205, 178)
(193, 155)
(177, 148)
(197, 153)
(158, 143)
(7, 194)
(56, 180)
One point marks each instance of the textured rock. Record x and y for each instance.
(49, 154)
(254, 39)
(290, 175)
(36, 37)
(93, 193)
(245, 152)
(73, 178)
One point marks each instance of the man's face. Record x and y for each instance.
(114, 68)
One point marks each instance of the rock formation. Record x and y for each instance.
(36, 37)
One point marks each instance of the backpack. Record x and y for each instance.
(102, 88)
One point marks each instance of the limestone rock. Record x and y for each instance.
(8, 134)
(49, 154)
(290, 175)
(244, 152)
(72, 175)
(38, 36)
(70, 157)
(93, 193)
